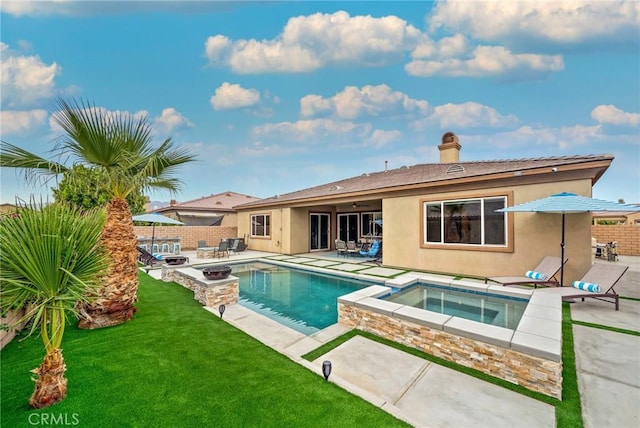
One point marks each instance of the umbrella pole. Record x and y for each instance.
(562, 255)
(153, 235)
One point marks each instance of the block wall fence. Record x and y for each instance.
(626, 235)
(190, 235)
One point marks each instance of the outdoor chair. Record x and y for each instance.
(221, 249)
(202, 243)
(372, 251)
(601, 276)
(241, 245)
(352, 249)
(341, 247)
(543, 274)
(147, 259)
(233, 244)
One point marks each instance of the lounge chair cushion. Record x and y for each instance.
(586, 286)
(535, 275)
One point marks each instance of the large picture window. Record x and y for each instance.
(466, 221)
(260, 225)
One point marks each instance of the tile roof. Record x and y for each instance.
(425, 174)
(224, 201)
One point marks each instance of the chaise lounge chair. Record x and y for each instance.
(149, 260)
(601, 276)
(548, 268)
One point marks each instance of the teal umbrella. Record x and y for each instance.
(155, 218)
(568, 203)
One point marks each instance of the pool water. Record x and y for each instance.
(486, 308)
(304, 301)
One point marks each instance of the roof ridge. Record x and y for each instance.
(530, 159)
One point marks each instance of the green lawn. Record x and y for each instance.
(177, 365)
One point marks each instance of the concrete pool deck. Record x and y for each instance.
(428, 395)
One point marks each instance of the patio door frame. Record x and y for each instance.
(320, 231)
(354, 228)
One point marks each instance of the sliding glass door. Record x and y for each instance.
(319, 226)
(348, 227)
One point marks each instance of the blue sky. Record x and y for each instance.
(274, 97)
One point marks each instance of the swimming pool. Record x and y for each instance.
(302, 300)
(487, 308)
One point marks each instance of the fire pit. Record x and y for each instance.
(216, 272)
(175, 260)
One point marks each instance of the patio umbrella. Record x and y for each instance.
(155, 218)
(568, 203)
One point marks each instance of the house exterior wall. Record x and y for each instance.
(289, 229)
(229, 220)
(534, 235)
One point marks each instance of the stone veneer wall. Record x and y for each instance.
(209, 293)
(533, 373)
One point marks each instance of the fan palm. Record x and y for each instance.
(118, 148)
(50, 258)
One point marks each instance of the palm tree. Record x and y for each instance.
(50, 258)
(119, 149)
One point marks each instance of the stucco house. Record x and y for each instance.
(438, 217)
(212, 210)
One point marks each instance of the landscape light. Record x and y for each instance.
(221, 308)
(326, 369)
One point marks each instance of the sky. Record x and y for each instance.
(274, 97)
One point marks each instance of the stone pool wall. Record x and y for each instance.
(406, 326)
(209, 293)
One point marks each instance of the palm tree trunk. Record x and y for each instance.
(51, 385)
(113, 302)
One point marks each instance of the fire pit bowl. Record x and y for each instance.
(175, 260)
(216, 272)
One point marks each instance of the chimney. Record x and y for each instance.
(450, 148)
(172, 202)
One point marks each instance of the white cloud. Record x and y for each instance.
(563, 138)
(169, 120)
(21, 122)
(310, 42)
(488, 61)
(444, 48)
(231, 96)
(558, 21)
(611, 115)
(466, 115)
(101, 7)
(381, 137)
(368, 101)
(311, 131)
(25, 80)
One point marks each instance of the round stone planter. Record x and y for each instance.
(216, 272)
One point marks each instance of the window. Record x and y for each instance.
(261, 225)
(466, 222)
(371, 224)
